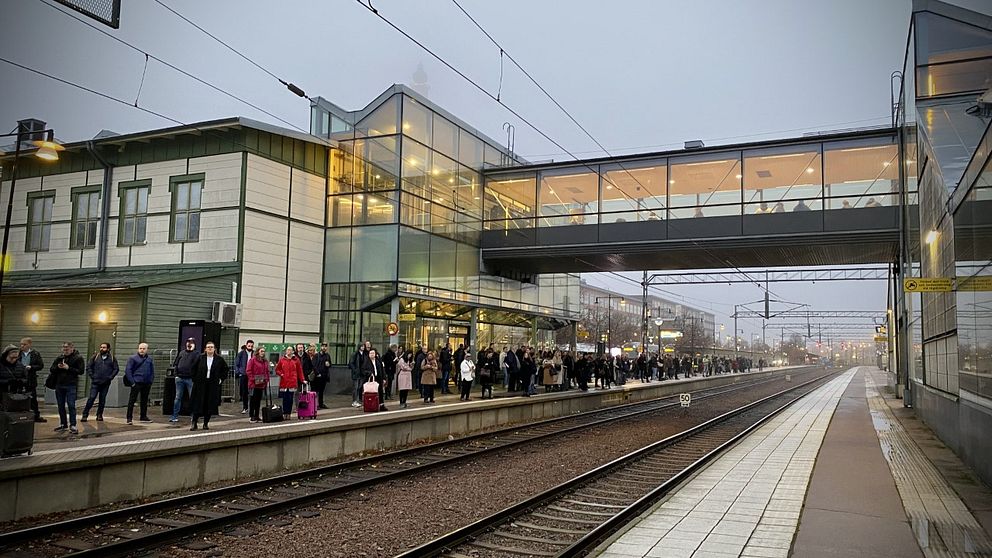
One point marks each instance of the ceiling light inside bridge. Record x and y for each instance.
(931, 237)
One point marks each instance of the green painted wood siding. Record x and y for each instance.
(166, 305)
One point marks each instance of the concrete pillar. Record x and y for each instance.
(394, 316)
(473, 330)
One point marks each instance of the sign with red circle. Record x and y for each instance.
(392, 328)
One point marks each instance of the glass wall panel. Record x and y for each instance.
(774, 177)
(861, 173)
(380, 167)
(416, 162)
(468, 191)
(442, 258)
(705, 185)
(337, 254)
(415, 211)
(382, 121)
(954, 56)
(467, 268)
(416, 120)
(445, 137)
(444, 179)
(339, 210)
(374, 208)
(373, 252)
(494, 157)
(442, 220)
(634, 191)
(509, 202)
(415, 249)
(471, 150)
(569, 196)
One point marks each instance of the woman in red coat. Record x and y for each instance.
(290, 372)
(258, 381)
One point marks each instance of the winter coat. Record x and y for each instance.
(140, 369)
(404, 375)
(36, 365)
(205, 398)
(307, 363)
(378, 371)
(290, 373)
(357, 361)
(445, 358)
(185, 363)
(428, 372)
(68, 377)
(241, 362)
(467, 370)
(257, 368)
(13, 377)
(548, 373)
(102, 370)
(322, 366)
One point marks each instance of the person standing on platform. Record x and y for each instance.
(321, 374)
(139, 373)
(503, 370)
(375, 371)
(582, 371)
(306, 361)
(211, 370)
(512, 370)
(487, 367)
(355, 365)
(290, 373)
(389, 363)
(184, 367)
(13, 376)
(240, 372)
(466, 372)
(102, 369)
(257, 372)
(418, 361)
(528, 372)
(445, 361)
(404, 376)
(459, 357)
(67, 368)
(428, 377)
(567, 370)
(32, 362)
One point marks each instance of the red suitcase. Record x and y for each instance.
(370, 401)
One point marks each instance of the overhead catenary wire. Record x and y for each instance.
(174, 67)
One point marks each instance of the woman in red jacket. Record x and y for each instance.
(290, 372)
(258, 381)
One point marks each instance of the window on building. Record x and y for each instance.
(186, 192)
(134, 213)
(40, 206)
(85, 216)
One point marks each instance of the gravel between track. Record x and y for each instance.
(403, 514)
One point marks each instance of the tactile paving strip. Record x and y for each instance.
(941, 522)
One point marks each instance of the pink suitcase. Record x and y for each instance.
(306, 408)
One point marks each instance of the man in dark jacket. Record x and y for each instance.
(102, 369)
(208, 374)
(13, 376)
(321, 374)
(33, 365)
(139, 373)
(184, 367)
(445, 361)
(240, 368)
(389, 363)
(512, 370)
(67, 368)
(459, 358)
(356, 364)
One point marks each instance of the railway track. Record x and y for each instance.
(573, 518)
(127, 530)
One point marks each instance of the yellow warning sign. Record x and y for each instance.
(928, 285)
(982, 283)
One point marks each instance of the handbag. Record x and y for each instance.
(260, 381)
(370, 386)
(127, 381)
(51, 380)
(16, 402)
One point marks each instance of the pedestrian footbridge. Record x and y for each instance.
(825, 200)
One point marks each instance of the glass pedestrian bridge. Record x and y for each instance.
(829, 199)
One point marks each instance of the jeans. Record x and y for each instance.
(142, 391)
(182, 385)
(255, 404)
(66, 397)
(356, 393)
(287, 401)
(96, 391)
(243, 390)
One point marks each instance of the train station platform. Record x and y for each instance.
(110, 461)
(845, 471)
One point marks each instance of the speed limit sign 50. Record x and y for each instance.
(685, 399)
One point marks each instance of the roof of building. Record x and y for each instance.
(109, 280)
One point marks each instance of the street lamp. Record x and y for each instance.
(609, 315)
(47, 150)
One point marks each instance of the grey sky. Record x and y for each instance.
(640, 76)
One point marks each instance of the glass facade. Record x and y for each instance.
(405, 211)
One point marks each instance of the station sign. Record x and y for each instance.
(928, 285)
(980, 283)
(407, 317)
(685, 399)
(881, 339)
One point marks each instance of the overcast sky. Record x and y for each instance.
(640, 75)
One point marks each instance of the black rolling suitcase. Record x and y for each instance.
(16, 432)
(271, 413)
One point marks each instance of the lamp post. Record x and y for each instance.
(47, 150)
(609, 315)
